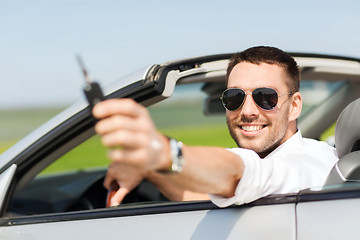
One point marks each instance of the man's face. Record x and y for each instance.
(250, 126)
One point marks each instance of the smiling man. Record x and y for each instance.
(262, 102)
(251, 124)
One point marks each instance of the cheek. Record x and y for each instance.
(282, 121)
(230, 116)
(230, 120)
(277, 115)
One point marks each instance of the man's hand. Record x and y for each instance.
(135, 145)
(126, 176)
(128, 130)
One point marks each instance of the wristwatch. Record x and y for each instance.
(177, 159)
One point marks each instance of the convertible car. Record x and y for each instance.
(37, 201)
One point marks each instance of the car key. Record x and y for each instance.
(92, 89)
(95, 95)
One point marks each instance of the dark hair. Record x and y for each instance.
(269, 55)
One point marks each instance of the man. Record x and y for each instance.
(263, 103)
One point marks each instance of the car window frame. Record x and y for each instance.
(141, 209)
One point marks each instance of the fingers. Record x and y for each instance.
(119, 196)
(131, 157)
(124, 138)
(123, 106)
(127, 123)
(127, 128)
(109, 178)
(126, 176)
(117, 122)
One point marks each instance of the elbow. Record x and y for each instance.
(230, 187)
(232, 179)
(227, 187)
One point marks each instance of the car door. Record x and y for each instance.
(272, 218)
(329, 213)
(268, 218)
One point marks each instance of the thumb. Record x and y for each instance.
(119, 196)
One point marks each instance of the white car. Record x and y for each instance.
(183, 97)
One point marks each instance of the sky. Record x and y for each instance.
(40, 39)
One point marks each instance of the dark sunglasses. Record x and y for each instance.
(265, 98)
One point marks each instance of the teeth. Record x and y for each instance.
(252, 128)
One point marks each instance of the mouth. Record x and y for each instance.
(252, 129)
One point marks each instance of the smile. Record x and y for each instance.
(252, 128)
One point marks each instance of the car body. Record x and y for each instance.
(71, 205)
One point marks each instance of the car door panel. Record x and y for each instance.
(253, 222)
(328, 219)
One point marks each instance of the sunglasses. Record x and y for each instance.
(265, 98)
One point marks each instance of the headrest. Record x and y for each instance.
(347, 130)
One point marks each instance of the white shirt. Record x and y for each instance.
(297, 164)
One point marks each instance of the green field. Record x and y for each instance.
(93, 154)
(185, 123)
(17, 123)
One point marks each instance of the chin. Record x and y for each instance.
(252, 146)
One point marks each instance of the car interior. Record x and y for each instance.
(347, 140)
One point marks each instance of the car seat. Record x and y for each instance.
(347, 143)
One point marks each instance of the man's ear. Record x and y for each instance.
(296, 106)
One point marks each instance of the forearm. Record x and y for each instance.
(172, 191)
(209, 170)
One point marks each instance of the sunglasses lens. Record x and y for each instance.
(266, 98)
(232, 99)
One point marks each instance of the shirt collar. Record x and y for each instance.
(288, 146)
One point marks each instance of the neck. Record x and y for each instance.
(292, 129)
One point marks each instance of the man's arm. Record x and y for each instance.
(209, 170)
(128, 177)
(128, 130)
(172, 191)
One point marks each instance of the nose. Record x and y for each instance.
(249, 107)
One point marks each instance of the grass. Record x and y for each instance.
(4, 145)
(209, 135)
(93, 154)
(90, 154)
(186, 124)
(16, 123)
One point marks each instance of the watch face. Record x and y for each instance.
(176, 155)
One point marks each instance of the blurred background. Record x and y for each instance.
(39, 75)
